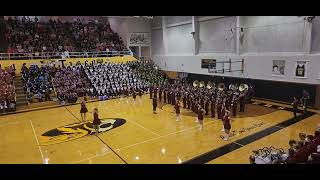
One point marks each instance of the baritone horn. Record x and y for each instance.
(221, 86)
(195, 83)
(202, 84)
(209, 85)
(243, 87)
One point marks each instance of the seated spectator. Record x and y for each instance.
(70, 83)
(111, 80)
(37, 81)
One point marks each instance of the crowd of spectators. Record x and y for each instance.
(95, 37)
(37, 82)
(7, 89)
(111, 80)
(304, 150)
(148, 72)
(70, 83)
(30, 36)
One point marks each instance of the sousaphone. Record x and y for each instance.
(232, 87)
(195, 83)
(243, 87)
(202, 84)
(221, 86)
(210, 85)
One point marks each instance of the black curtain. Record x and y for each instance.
(274, 90)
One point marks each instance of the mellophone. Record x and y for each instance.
(222, 90)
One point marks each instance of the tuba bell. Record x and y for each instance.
(243, 87)
(209, 85)
(221, 86)
(195, 83)
(232, 87)
(201, 84)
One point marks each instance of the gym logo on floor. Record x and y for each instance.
(78, 130)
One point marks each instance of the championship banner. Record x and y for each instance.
(278, 67)
(300, 69)
(139, 38)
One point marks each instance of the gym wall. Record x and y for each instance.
(264, 39)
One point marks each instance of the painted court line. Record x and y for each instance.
(135, 144)
(238, 143)
(34, 132)
(136, 123)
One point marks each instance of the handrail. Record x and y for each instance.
(62, 55)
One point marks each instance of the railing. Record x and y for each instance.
(62, 55)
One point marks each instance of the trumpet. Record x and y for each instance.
(196, 83)
(210, 85)
(221, 86)
(243, 87)
(201, 84)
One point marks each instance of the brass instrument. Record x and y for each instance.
(221, 86)
(232, 87)
(209, 85)
(196, 83)
(201, 84)
(243, 87)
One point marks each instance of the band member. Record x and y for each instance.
(197, 109)
(160, 94)
(206, 106)
(213, 107)
(188, 101)
(219, 108)
(223, 111)
(151, 92)
(200, 117)
(173, 102)
(165, 95)
(169, 96)
(226, 125)
(242, 102)
(155, 91)
(177, 109)
(134, 95)
(305, 98)
(83, 109)
(234, 105)
(295, 104)
(184, 100)
(96, 121)
(140, 93)
(155, 104)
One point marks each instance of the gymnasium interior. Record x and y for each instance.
(159, 89)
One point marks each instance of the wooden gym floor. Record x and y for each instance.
(146, 137)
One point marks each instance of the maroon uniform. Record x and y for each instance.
(184, 100)
(200, 115)
(83, 108)
(165, 96)
(140, 92)
(242, 103)
(213, 107)
(151, 92)
(223, 111)
(177, 108)
(206, 107)
(134, 94)
(219, 108)
(226, 122)
(96, 120)
(160, 94)
(234, 106)
(154, 103)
